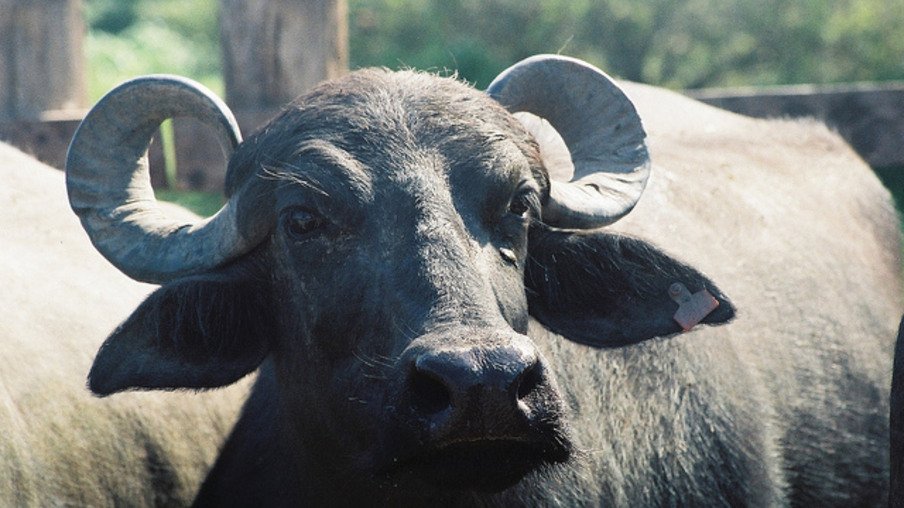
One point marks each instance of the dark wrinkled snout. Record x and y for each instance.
(477, 411)
(473, 389)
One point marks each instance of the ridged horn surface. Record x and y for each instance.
(108, 181)
(600, 127)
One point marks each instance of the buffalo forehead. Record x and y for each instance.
(413, 152)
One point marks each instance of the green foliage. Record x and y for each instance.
(681, 44)
(204, 204)
(475, 38)
(127, 38)
(111, 16)
(675, 43)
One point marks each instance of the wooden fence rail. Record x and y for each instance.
(275, 50)
(870, 116)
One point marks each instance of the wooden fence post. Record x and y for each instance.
(42, 75)
(42, 64)
(275, 50)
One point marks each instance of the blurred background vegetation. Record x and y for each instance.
(127, 38)
(673, 43)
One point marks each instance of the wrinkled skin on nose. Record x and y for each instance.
(478, 412)
(473, 389)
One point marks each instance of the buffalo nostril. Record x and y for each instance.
(529, 380)
(429, 395)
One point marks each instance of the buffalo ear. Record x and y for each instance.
(201, 331)
(606, 290)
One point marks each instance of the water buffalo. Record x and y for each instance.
(60, 446)
(443, 308)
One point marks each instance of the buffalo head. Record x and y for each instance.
(386, 240)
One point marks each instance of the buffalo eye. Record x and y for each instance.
(523, 203)
(299, 222)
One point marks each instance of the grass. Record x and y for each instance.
(202, 203)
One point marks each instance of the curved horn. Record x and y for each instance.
(598, 124)
(109, 186)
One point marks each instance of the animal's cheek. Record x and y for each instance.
(353, 378)
(337, 407)
(506, 280)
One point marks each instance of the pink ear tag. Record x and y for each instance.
(692, 308)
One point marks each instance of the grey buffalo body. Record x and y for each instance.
(437, 319)
(60, 446)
